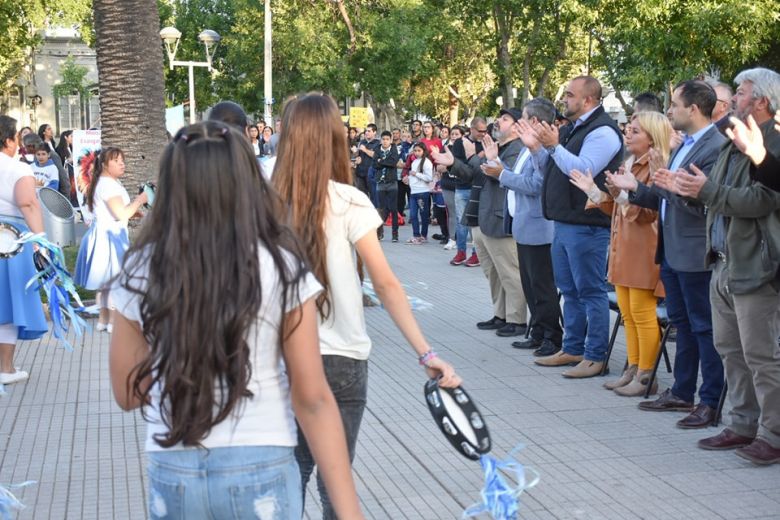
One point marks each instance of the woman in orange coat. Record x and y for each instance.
(632, 268)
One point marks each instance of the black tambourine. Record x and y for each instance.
(458, 418)
(9, 240)
(150, 189)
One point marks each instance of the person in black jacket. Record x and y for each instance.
(385, 163)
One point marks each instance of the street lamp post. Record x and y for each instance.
(210, 39)
(268, 84)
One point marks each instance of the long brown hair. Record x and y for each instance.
(202, 292)
(312, 151)
(101, 163)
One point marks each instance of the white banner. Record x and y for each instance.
(85, 143)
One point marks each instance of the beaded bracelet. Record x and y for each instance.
(427, 357)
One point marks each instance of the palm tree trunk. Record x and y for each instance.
(130, 75)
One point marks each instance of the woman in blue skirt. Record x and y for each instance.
(104, 244)
(21, 313)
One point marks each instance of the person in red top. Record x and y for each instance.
(429, 139)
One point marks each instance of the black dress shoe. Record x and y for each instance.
(437, 236)
(667, 402)
(511, 329)
(492, 324)
(529, 343)
(701, 417)
(548, 348)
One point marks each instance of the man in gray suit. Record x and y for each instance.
(533, 234)
(681, 245)
(743, 246)
(495, 246)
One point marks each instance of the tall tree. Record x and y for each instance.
(130, 75)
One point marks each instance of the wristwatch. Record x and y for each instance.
(551, 149)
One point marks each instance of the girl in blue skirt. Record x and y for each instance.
(104, 244)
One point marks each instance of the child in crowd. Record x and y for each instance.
(44, 169)
(216, 340)
(419, 180)
(385, 161)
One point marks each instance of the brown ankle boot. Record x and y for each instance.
(638, 386)
(626, 378)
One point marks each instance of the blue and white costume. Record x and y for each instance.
(104, 244)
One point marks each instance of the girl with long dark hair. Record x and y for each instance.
(216, 340)
(103, 246)
(334, 219)
(46, 133)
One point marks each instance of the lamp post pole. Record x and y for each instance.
(267, 72)
(210, 40)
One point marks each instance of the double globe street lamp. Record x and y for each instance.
(210, 39)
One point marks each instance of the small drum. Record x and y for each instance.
(150, 189)
(9, 240)
(458, 418)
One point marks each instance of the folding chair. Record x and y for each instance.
(666, 327)
(613, 306)
(721, 402)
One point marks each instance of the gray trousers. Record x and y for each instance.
(498, 259)
(745, 330)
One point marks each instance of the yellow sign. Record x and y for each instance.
(358, 117)
(345, 119)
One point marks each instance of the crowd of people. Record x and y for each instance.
(676, 209)
(237, 310)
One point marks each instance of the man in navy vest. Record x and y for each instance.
(592, 143)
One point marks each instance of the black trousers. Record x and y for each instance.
(403, 196)
(536, 276)
(361, 183)
(387, 205)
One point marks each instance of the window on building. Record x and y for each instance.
(68, 113)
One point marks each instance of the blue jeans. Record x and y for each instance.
(234, 482)
(420, 210)
(461, 231)
(348, 380)
(688, 307)
(579, 255)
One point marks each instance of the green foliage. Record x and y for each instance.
(72, 80)
(434, 56)
(20, 22)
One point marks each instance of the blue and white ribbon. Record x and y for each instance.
(499, 499)
(56, 282)
(9, 503)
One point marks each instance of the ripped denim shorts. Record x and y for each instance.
(242, 482)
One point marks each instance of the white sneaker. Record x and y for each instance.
(100, 327)
(15, 377)
(110, 328)
(450, 245)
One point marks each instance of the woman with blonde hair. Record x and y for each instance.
(632, 268)
(334, 219)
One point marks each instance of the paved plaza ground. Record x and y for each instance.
(599, 456)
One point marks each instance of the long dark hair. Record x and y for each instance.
(425, 157)
(101, 162)
(312, 127)
(202, 292)
(63, 148)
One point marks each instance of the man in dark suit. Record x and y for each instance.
(681, 244)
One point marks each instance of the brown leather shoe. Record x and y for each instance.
(760, 452)
(667, 402)
(725, 440)
(584, 368)
(558, 359)
(701, 417)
